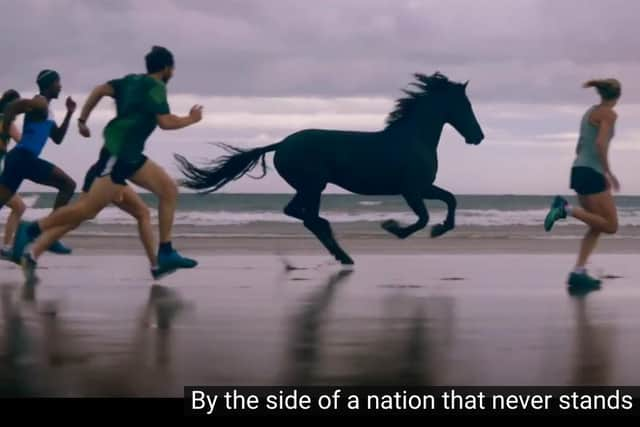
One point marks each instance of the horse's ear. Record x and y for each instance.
(464, 86)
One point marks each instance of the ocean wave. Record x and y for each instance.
(464, 217)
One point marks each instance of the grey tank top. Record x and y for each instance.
(587, 152)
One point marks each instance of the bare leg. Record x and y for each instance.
(587, 246)
(6, 197)
(601, 215)
(153, 178)
(132, 203)
(61, 181)
(67, 218)
(17, 209)
(599, 212)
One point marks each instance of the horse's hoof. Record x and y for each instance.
(392, 226)
(344, 259)
(389, 224)
(439, 229)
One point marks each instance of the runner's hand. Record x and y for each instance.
(71, 104)
(84, 130)
(196, 113)
(613, 182)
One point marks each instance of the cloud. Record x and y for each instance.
(263, 69)
(535, 51)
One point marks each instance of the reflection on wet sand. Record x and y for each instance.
(389, 322)
(594, 341)
(305, 343)
(43, 356)
(409, 350)
(406, 348)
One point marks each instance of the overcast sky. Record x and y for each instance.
(264, 69)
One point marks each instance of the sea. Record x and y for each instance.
(223, 209)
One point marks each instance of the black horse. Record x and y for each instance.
(401, 160)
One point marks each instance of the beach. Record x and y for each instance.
(360, 238)
(471, 308)
(257, 134)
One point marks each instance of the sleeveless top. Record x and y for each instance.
(36, 131)
(587, 152)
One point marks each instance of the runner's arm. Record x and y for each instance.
(94, 97)
(172, 122)
(19, 107)
(58, 132)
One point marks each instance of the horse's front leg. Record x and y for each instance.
(437, 193)
(417, 205)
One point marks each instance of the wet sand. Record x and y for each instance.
(358, 238)
(97, 325)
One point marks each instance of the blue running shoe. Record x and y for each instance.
(173, 260)
(58, 248)
(20, 242)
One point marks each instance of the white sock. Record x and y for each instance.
(568, 209)
(580, 270)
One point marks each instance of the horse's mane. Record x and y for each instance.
(426, 85)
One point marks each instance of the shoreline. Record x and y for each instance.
(300, 244)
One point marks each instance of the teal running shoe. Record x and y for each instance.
(173, 260)
(583, 280)
(59, 248)
(20, 241)
(556, 212)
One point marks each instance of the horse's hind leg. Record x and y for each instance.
(295, 208)
(320, 227)
(437, 193)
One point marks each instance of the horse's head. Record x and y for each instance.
(436, 102)
(460, 114)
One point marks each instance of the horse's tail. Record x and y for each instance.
(224, 169)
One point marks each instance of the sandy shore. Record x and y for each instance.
(97, 325)
(363, 239)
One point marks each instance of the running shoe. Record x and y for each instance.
(59, 248)
(556, 212)
(20, 242)
(173, 260)
(583, 280)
